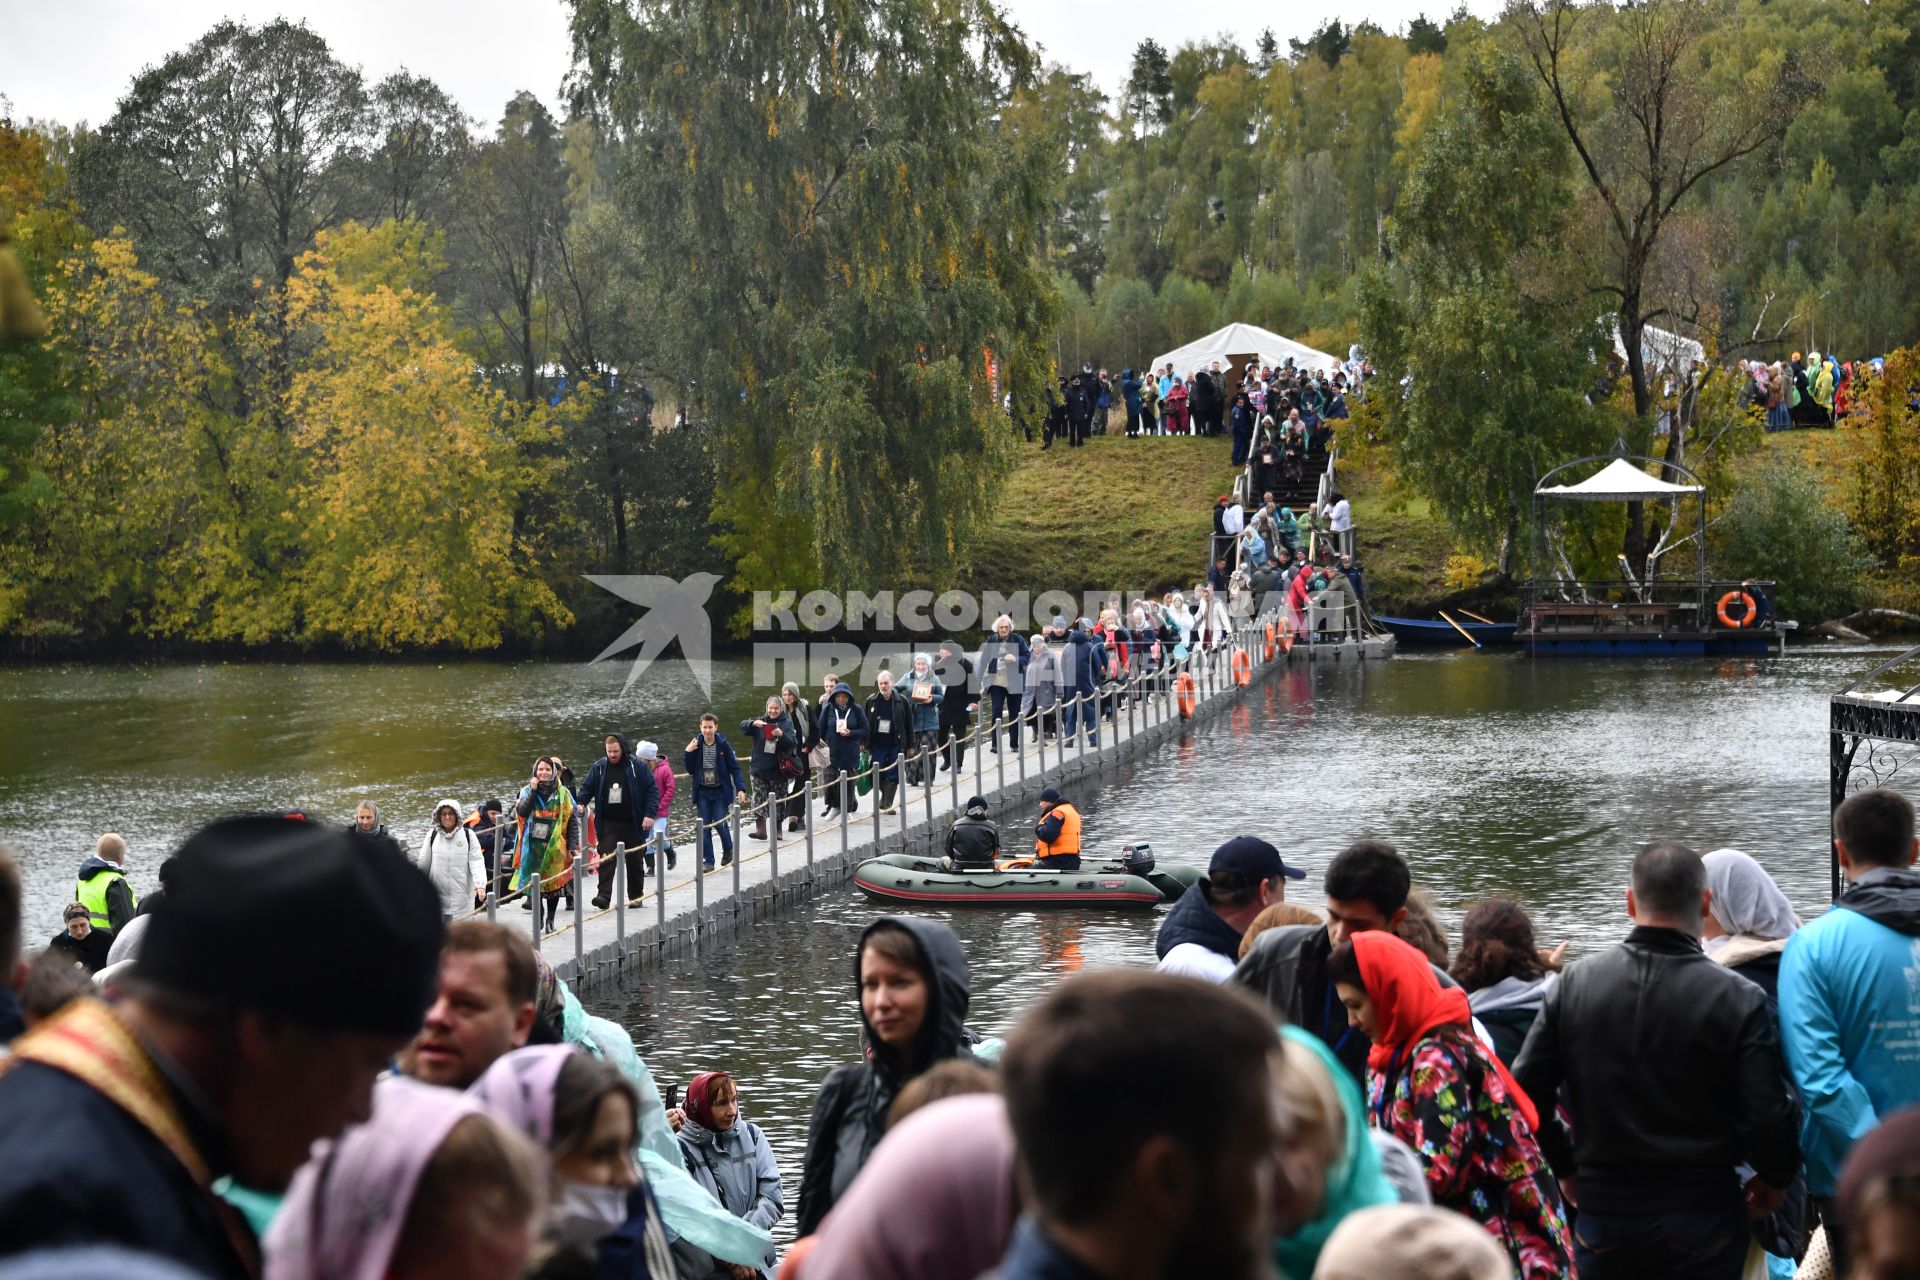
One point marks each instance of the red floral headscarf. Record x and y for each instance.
(702, 1093)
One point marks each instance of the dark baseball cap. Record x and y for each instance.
(1252, 857)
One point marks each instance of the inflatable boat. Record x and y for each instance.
(1128, 882)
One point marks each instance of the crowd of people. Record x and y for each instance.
(1287, 401)
(1816, 391)
(1726, 1091)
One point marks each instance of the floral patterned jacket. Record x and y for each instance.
(1445, 1100)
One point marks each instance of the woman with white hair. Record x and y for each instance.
(1003, 665)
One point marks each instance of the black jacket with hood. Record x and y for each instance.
(842, 753)
(850, 1112)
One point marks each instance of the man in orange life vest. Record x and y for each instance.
(1057, 835)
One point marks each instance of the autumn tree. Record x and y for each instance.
(1485, 357)
(413, 475)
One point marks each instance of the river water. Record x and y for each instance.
(1494, 774)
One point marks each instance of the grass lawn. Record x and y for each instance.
(1403, 545)
(1118, 514)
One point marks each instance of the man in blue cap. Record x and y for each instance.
(1201, 935)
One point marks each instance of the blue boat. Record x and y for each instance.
(1420, 631)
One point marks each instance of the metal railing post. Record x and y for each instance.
(979, 760)
(930, 767)
(773, 832)
(537, 903)
(620, 898)
(703, 838)
(579, 916)
(806, 816)
(660, 883)
(873, 794)
(845, 822)
(953, 768)
(1000, 758)
(733, 820)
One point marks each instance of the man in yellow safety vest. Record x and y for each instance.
(102, 885)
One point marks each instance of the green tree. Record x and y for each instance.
(1494, 356)
(1781, 527)
(1148, 96)
(840, 236)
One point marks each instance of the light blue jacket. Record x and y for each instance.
(1850, 1016)
(738, 1168)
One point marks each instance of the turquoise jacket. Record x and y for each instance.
(1850, 1016)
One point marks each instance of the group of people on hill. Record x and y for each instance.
(1816, 391)
(376, 1093)
(1293, 403)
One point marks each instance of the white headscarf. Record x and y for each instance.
(1745, 899)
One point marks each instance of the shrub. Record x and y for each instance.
(1783, 526)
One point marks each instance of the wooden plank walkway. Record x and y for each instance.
(670, 917)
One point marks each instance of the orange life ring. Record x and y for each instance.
(1750, 618)
(1273, 642)
(1286, 634)
(1242, 667)
(1183, 694)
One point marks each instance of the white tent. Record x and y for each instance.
(1618, 481)
(1662, 350)
(1235, 343)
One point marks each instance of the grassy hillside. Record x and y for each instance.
(1119, 513)
(1134, 514)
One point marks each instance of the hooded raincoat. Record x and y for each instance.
(451, 859)
(850, 1112)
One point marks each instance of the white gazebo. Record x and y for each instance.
(1625, 479)
(1236, 345)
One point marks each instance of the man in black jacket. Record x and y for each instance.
(889, 733)
(623, 797)
(958, 700)
(973, 842)
(1673, 1077)
(1367, 885)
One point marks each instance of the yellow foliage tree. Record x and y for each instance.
(412, 468)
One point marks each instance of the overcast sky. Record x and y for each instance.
(71, 60)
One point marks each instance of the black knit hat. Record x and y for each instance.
(298, 919)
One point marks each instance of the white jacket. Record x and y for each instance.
(452, 862)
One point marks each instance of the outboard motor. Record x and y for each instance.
(1137, 858)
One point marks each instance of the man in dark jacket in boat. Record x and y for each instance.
(290, 962)
(1673, 1077)
(974, 840)
(1200, 937)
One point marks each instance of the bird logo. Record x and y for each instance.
(676, 610)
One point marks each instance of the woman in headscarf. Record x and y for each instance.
(585, 1115)
(936, 1201)
(1748, 919)
(1331, 1163)
(913, 985)
(1433, 1085)
(430, 1186)
(548, 825)
(728, 1154)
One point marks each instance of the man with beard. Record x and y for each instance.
(483, 1005)
(1116, 1192)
